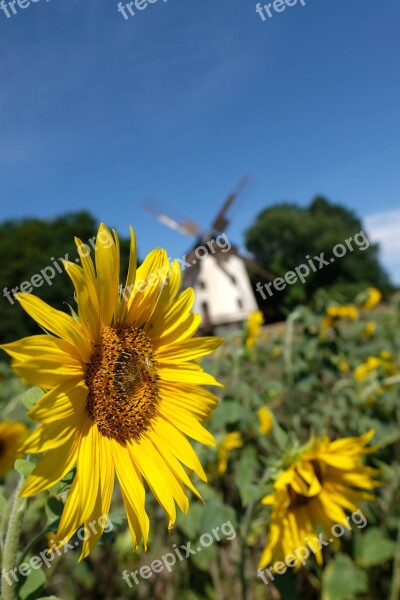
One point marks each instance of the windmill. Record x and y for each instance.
(217, 271)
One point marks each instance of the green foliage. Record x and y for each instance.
(32, 396)
(373, 548)
(24, 467)
(342, 580)
(282, 236)
(305, 376)
(32, 585)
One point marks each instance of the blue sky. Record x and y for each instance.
(176, 103)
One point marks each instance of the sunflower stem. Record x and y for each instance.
(242, 565)
(395, 588)
(288, 347)
(11, 544)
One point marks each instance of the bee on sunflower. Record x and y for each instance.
(122, 389)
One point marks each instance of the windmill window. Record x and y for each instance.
(233, 279)
(202, 285)
(206, 314)
(240, 303)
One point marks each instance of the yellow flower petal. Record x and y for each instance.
(88, 303)
(107, 269)
(60, 402)
(132, 490)
(188, 349)
(51, 468)
(56, 322)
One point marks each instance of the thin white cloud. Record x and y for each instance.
(384, 228)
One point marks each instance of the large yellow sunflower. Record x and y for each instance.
(324, 480)
(122, 389)
(12, 434)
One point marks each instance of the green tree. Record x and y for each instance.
(286, 236)
(28, 247)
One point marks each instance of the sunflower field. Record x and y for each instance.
(140, 461)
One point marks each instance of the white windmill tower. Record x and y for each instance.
(223, 293)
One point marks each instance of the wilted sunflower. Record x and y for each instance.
(322, 482)
(122, 389)
(12, 435)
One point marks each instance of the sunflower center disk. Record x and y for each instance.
(122, 381)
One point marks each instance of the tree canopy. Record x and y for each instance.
(285, 236)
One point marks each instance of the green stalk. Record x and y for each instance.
(11, 544)
(395, 590)
(395, 587)
(243, 547)
(288, 347)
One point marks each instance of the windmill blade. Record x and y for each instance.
(187, 227)
(220, 222)
(253, 266)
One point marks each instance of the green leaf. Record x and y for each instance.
(373, 548)
(62, 487)
(189, 524)
(204, 556)
(54, 509)
(24, 467)
(228, 412)
(32, 396)
(32, 585)
(216, 514)
(204, 518)
(245, 476)
(342, 580)
(279, 434)
(286, 585)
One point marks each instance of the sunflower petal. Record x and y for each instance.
(188, 349)
(133, 494)
(60, 402)
(107, 269)
(187, 375)
(57, 322)
(150, 279)
(51, 468)
(55, 434)
(88, 304)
